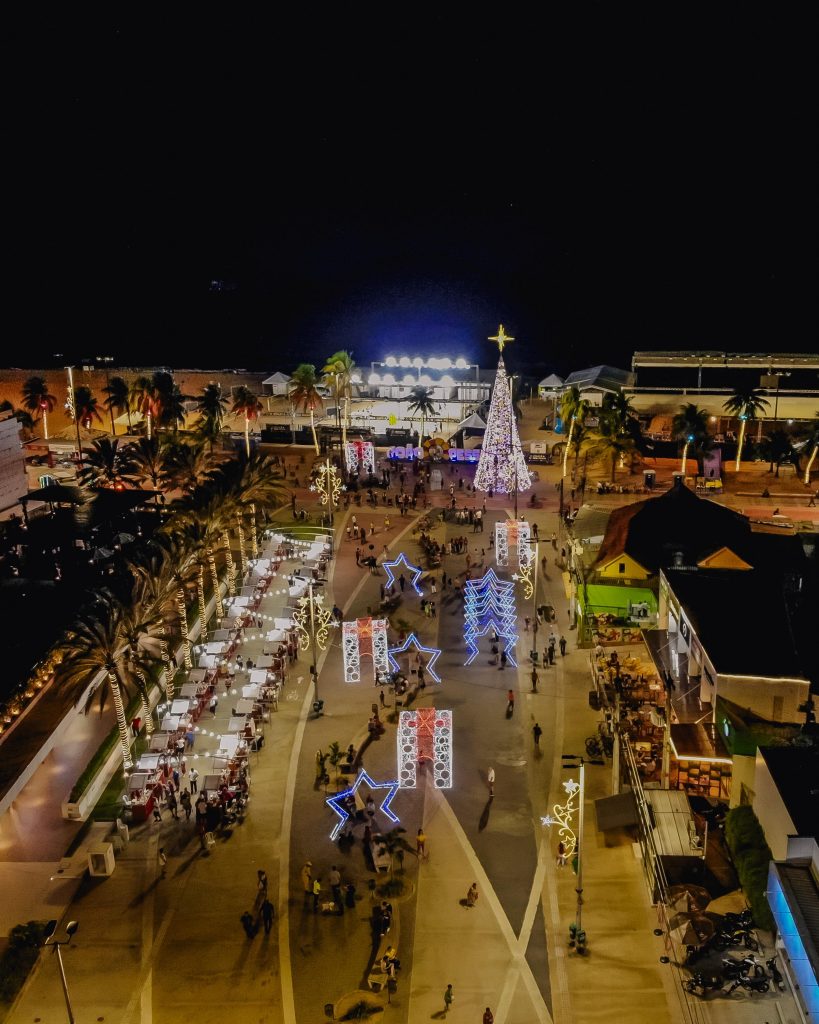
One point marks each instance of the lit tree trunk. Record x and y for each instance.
(45, 423)
(166, 661)
(344, 419)
(122, 725)
(740, 442)
(568, 443)
(684, 457)
(229, 566)
(148, 423)
(240, 532)
(254, 544)
(315, 436)
(247, 434)
(183, 625)
(200, 586)
(143, 699)
(214, 578)
(810, 462)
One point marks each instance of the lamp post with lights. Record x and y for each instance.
(54, 943)
(328, 485)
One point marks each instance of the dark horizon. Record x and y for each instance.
(659, 204)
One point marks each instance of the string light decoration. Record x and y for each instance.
(337, 803)
(311, 615)
(360, 453)
(401, 561)
(526, 561)
(366, 636)
(489, 604)
(328, 484)
(501, 466)
(508, 533)
(425, 734)
(413, 641)
(564, 816)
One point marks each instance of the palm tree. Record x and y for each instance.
(420, 402)
(117, 400)
(142, 400)
(142, 628)
(246, 404)
(813, 444)
(85, 412)
(157, 589)
(304, 396)
(338, 374)
(779, 448)
(746, 403)
(106, 465)
(38, 400)
(147, 458)
(183, 569)
(211, 406)
(690, 425)
(186, 464)
(95, 643)
(573, 407)
(611, 442)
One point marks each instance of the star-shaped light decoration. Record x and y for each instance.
(336, 801)
(563, 816)
(413, 641)
(402, 561)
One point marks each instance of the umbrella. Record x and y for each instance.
(691, 929)
(731, 903)
(124, 538)
(86, 433)
(696, 897)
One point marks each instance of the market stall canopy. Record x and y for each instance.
(472, 422)
(552, 381)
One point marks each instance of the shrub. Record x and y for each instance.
(20, 956)
(751, 855)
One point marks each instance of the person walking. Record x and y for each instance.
(472, 895)
(248, 924)
(488, 1016)
(503, 659)
(421, 844)
(510, 701)
(193, 775)
(534, 680)
(163, 859)
(562, 646)
(307, 880)
(261, 884)
(267, 915)
(537, 732)
(448, 999)
(490, 780)
(334, 879)
(316, 893)
(172, 805)
(185, 800)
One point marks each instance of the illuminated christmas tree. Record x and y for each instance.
(502, 467)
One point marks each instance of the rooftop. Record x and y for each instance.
(795, 772)
(610, 378)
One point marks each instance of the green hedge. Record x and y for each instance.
(102, 753)
(19, 957)
(751, 855)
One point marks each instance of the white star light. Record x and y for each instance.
(571, 786)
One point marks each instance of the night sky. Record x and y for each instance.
(391, 186)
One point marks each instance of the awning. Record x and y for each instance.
(695, 742)
(617, 811)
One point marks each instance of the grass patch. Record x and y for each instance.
(101, 754)
(19, 958)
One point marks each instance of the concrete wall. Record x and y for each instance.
(12, 463)
(759, 696)
(742, 774)
(669, 402)
(768, 806)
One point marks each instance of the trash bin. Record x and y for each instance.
(649, 478)
(101, 861)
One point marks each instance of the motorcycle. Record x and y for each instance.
(776, 974)
(751, 984)
(746, 967)
(700, 983)
(736, 937)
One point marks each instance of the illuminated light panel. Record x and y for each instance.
(413, 569)
(413, 641)
(335, 802)
(360, 453)
(364, 637)
(424, 734)
(489, 603)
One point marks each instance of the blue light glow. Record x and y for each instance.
(489, 603)
(413, 641)
(402, 561)
(343, 813)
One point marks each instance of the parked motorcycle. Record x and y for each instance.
(746, 967)
(736, 937)
(750, 984)
(776, 974)
(700, 983)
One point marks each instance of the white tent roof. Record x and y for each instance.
(277, 378)
(473, 422)
(552, 381)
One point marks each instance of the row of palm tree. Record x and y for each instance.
(128, 636)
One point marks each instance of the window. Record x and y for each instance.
(621, 568)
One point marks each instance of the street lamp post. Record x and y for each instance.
(55, 944)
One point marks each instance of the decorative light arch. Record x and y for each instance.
(360, 453)
(512, 532)
(425, 734)
(489, 603)
(413, 641)
(365, 636)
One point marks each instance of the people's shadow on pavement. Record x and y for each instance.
(484, 819)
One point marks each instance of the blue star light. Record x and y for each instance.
(402, 560)
(335, 801)
(413, 641)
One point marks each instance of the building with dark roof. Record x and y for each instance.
(597, 381)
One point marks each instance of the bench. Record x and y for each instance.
(377, 977)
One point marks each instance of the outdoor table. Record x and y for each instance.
(238, 723)
(161, 741)
(221, 634)
(170, 723)
(181, 706)
(196, 675)
(258, 675)
(227, 745)
(208, 660)
(245, 706)
(264, 661)
(149, 762)
(192, 689)
(215, 647)
(275, 636)
(283, 623)
(250, 691)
